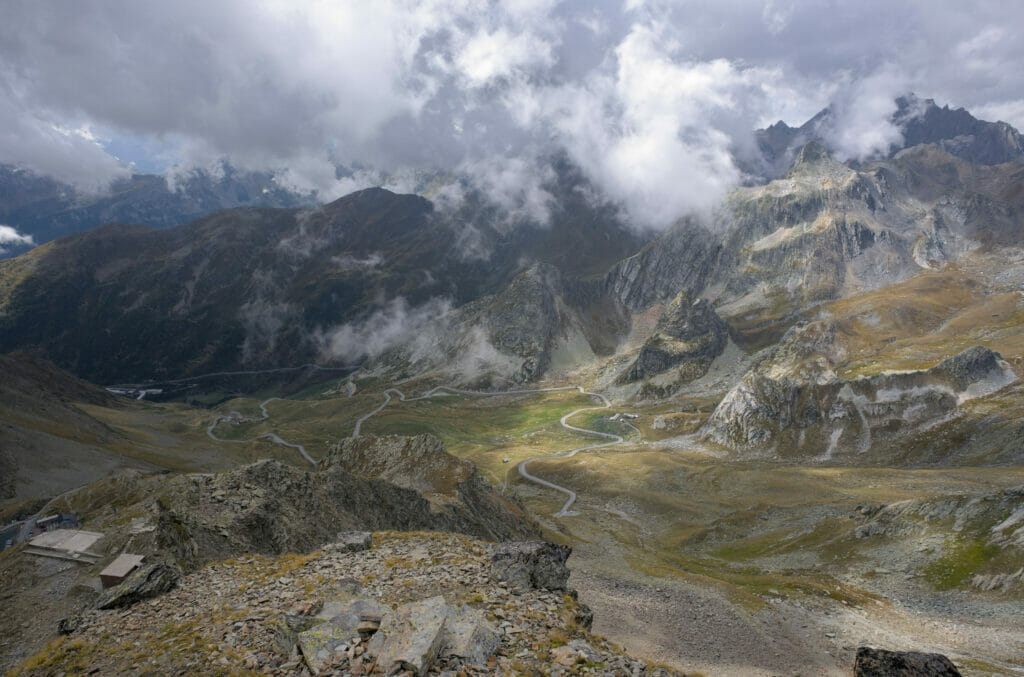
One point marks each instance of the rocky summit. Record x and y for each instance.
(411, 603)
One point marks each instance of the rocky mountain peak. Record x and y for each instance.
(813, 158)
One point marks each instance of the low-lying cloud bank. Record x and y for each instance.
(652, 99)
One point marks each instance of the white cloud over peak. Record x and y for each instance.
(648, 97)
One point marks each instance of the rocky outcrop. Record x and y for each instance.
(995, 519)
(794, 403)
(411, 637)
(531, 564)
(351, 541)
(150, 580)
(689, 336)
(271, 507)
(452, 486)
(425, 602)
(335, 626)
(872, 662)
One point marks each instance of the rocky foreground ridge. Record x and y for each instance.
(396, 603)
(180, 523)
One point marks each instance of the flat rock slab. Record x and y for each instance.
(411, 637)
(872, 662)
(340, 624)
(469, 636)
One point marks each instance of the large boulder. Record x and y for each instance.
(341, 626)
(411, 637)
(531, 564)
(469, 636)
(148, 581)
(873, 662)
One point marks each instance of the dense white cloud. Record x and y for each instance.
(9, 236)
(863, 109)
(649, 97)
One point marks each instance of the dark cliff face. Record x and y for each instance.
(538, 321)
(680, 259)
(689, 336)
(957, 132)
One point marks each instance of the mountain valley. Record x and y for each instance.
(813, 438)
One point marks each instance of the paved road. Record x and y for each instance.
(197, 377)
(571, 495)
(270, 436)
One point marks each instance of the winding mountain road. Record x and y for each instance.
(250, 372)
(270, 436)
(571, 495)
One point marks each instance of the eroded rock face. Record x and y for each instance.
(794, 403)
(872, 662)
(150, 580)
(420, 463)
(513, 336)
(681, 259)
(531, 564)
(689, 336)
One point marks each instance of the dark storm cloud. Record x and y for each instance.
(650, 98)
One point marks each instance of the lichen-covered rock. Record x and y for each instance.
(531, 564)
(411, 637)
(148, 581)
(584, 616)
(872, 662)
(469, 636)
(575, 651)
(320, 642)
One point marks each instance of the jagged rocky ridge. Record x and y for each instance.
(920, 121)
(825, 231)
(181, 522)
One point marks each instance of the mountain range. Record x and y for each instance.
(808, 402)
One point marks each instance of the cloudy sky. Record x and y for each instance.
(650, 97)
